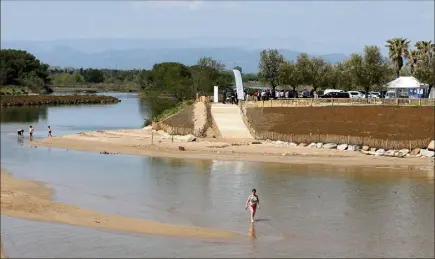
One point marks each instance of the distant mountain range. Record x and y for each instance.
(143, 54)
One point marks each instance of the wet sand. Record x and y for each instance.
(32, 200)
(144, 142)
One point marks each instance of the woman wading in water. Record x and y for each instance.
(253, 202)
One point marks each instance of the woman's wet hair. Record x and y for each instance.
(253, 190)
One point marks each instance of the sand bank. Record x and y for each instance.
(31, 200)
(144, 142)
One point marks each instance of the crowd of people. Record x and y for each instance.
(269, 94)
(230, 96)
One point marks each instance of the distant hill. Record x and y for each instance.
(143, 55)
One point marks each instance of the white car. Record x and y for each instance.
(355, 95)
(375, 95)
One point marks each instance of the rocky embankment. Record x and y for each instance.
(428, 152)
(56, 100)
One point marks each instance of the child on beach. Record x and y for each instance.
(49, 132)
(253, 202)
(31, 132)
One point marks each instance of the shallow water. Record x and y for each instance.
(306, 210)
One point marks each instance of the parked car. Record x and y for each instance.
(390, 94)
(374, 95)
(327, 91)
(336, 95)
(355, 95)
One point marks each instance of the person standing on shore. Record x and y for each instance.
(253, 202)
(49, 131)
(30, 132)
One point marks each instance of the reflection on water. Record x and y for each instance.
(306, 210)
(23, 114)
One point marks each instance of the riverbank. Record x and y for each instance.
(32, 200)
(148, 143)
(26, 100)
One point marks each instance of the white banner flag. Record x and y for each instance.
(239, 84)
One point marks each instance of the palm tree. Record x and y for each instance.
(412, 56)
(398, 48)
(425, 49)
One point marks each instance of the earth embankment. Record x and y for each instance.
(393, 123)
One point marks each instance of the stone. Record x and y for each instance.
(380, 152)
(431, 146)
(181, 148)
(187, 138)
(415, 151)
(342, 147)
(353, 148)
(312, 145)
(365, 148)
(389, 153)
(427, 153)
(292, 144)
(404, 151)
(373, 149)
(303, 145)
(255, 142)
(329, 146)
(280, 143)
(319, 145)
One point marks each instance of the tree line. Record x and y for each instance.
(366, 71)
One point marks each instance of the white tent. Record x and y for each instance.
(404, 82)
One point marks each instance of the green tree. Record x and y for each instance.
(412, 57)
(425, 66)
(94, 76)
(20, 68)
(171, 78)
(289, 75)
(398, 48)
(270, 62)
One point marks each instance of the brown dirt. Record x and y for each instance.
(394, 123)
(183, 119)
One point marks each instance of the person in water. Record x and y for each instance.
(253, 202)
(49, 131)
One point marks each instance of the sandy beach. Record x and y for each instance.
(144, 142)
(32, 200)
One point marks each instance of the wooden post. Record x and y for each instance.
(410, 146)
(348, 139)
(291, 138)
(172, 135)
(152, 137)
(272, 135)
(386, 144)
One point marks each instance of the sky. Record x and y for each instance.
(332, 26)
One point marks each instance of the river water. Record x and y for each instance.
(307, 210)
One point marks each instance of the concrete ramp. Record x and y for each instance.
(228, 118)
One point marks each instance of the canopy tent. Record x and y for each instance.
(404, 82)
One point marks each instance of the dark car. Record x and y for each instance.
(336, 95)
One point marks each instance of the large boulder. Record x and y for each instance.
(431, 145)
(390, 153)
(427, 153)
(342, 147)
(329, 146)
(373, 149)
(365, 148)
(353, 148)
(312, 145)
(302, 144)
(292, 144)
(415, 151)
(380, 152)
(319, 145)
